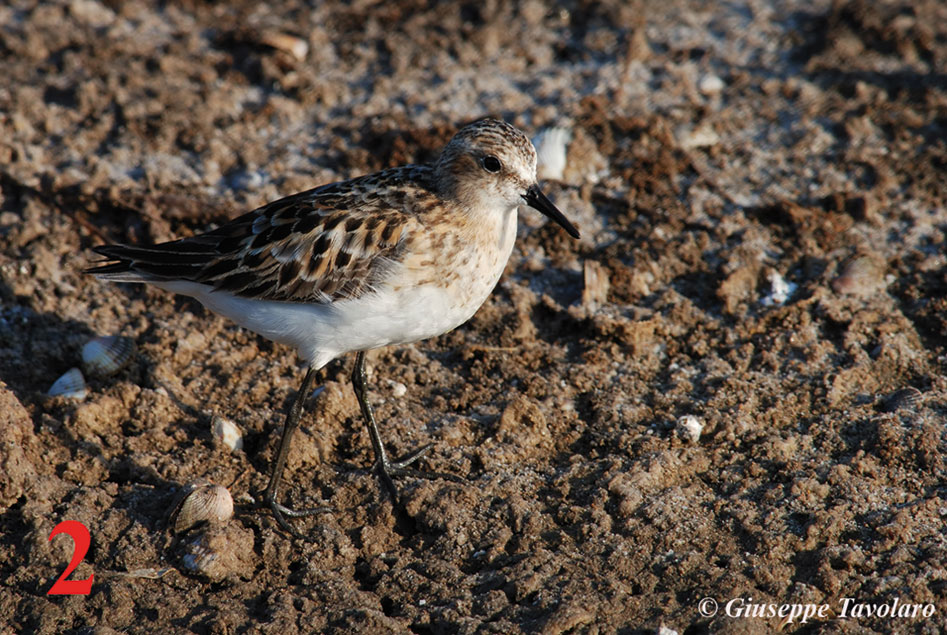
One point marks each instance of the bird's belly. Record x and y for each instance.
(421, 300)
(406, 316)
(322, 332)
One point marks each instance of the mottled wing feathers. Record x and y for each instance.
(317, 256)
(331, 243)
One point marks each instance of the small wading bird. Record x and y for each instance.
(389, 258)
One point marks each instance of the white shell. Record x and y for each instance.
(710, 84)
(398, 390)
(780, 289)
(551, 145)
(226, 432)
(105, 356)
(204, 503)
(689, 428)
(703, 136)
(297, 47)
(201, 558)
(198, 557)
(71, 385)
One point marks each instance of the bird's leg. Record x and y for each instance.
(385, 466)
(272, 489)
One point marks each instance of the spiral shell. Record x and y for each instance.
(205, 503)
(105, 356)
(70, 385)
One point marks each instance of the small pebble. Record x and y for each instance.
(689, 428)
(226, 432)
(398, 389)
(251, 180)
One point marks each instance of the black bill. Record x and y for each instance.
(537, 200)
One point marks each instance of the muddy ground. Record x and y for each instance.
(762, 196)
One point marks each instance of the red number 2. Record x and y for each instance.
(80, 536)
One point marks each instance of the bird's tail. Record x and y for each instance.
(177, 260)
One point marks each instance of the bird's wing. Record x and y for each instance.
(332, 243)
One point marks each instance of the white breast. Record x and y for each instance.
(322, 332)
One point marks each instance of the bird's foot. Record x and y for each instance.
(389, 470)
(282, 512)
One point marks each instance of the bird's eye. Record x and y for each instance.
(491, 164)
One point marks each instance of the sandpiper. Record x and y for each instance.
(393, 257)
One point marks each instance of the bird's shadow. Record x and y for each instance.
(36, 348)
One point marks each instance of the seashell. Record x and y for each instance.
(71, 385)
(862, 275)
(201, 558)
(703, 136)
(295, 46)
(780, 289)
(689, 428)
(205, 503)
(105, 356)
(904, 399)
(226, 432)
(551, 145)
(710, 84)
